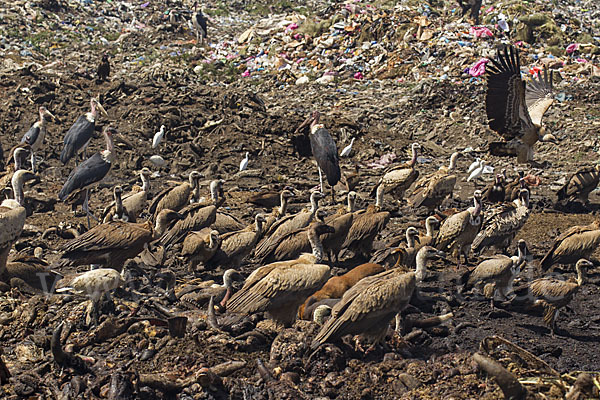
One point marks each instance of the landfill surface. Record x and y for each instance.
(387, 73)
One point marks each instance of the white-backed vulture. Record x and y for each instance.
(403, 254)
(399, 178)
(177, 197)
(366, 225)
(278, 212)
(580, 184)
(12, 216)
(430, 191)
(458, 231)
(199, 296)
(515, 110)
(338, 285)
(33, 271)
(497, 274)
(236, 246)
(286, 225)
(199, 247)
(428, 238)
(502, 223)
(113, 243)
(119, 212)
(553, 294)
(424, 255)
(281, 287)
(341, 222)
(19, 153)
(134, 202)
(575, 243)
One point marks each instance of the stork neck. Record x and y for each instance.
(109, 152)
(379, 196)
(93, 112)
(17, 187)
(315, 244)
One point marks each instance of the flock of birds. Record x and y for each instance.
(293, 280)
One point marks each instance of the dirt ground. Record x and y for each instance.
(209, 128)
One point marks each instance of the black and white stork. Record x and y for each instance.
(324, 150)
(82, 131)
(514, 109)
(199, 22)
(89, 172)
(34, 137)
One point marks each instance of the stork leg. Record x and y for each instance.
(321, 179)
(32, 161)
(87, 210)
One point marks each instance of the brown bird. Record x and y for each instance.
(511, 191)
(458, 231)
(270, 198)
(514, 109)
(554, 294)
(502, 223)
(575, 243)
(403, 254)
(103, 68)
(281, 287)
(286, 225)
(430, 191)
(134, 202)
(119, 213)
(177, 197)
(495, 192)
(368, 307)
(12, 216)
(194, 217)
(341, 222)
(113, 243)
(199, 296)
(33, 271)
(338, 285)
(19, 155)
(366, 225)
(497, 273)
(236, 246)
(428, 238)
(199, 247)
(424, 255)
(278, 212)
(225, 222)
(580, 184)
(399, 178)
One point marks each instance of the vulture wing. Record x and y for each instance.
(539, 96)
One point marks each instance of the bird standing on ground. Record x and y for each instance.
(432, 190)
(199, 247)
(398, 179)
(35, 136)
(82, 131)
(177, 197)
(514, 109)
(199, 22)
(244, 162)
(580, 184)
(158, 137)
(346, 150)
(134, 202)
(89, 172)
(104, 68)
(324, 150)
(574, 243)
(495, 192)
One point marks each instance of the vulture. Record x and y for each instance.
(423, 256)
(338, 285)
(18, 154)
(33, 271)
(554, 294)
(134, 202)
(341, 223)
(199, 247)
(497, 273)
(281, 287)
(428, 238)
(580, 184)
(399, 178)
(113, 243)
(119, 213)
(404, 254)
(366, 225)
(458, 231)
(236, 246)
(278, 212)
(199, 296)
(177, 197)
(103, 70)
(495, 192)
(12, 216)
(511, 191)
(514, 109)
(368, 307)
(575, 243)
(502, 223)
(430, 191)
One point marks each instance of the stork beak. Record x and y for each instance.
(49, 114)
(101, 108)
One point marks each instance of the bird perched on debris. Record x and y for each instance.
(103, 68)
(575, 243)
(514, 109)
(158, 137)
(199, 22)
(79, 135)
(177, 197)
(554, 294)
(580, 184)
(35, 136)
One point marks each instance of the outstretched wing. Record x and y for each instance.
(539, 96)
(505, 100)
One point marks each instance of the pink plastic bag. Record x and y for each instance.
(572, 47)
(479, 68)
(481, 32)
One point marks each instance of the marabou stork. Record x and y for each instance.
(324, 150)
(34, 137)
(199, 22)
(82, 131)
(91, 171)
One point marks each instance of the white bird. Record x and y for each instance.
(478, 171)
(474, 165)
(346, 151)
(158, 137)
(244, 162)
(157, 161)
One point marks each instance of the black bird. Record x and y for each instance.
(495, 192)
(34, 137)
(82, 131)
(91, 171)
(199, 22)
(324, 150)
(474, 6)
(104, 68)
